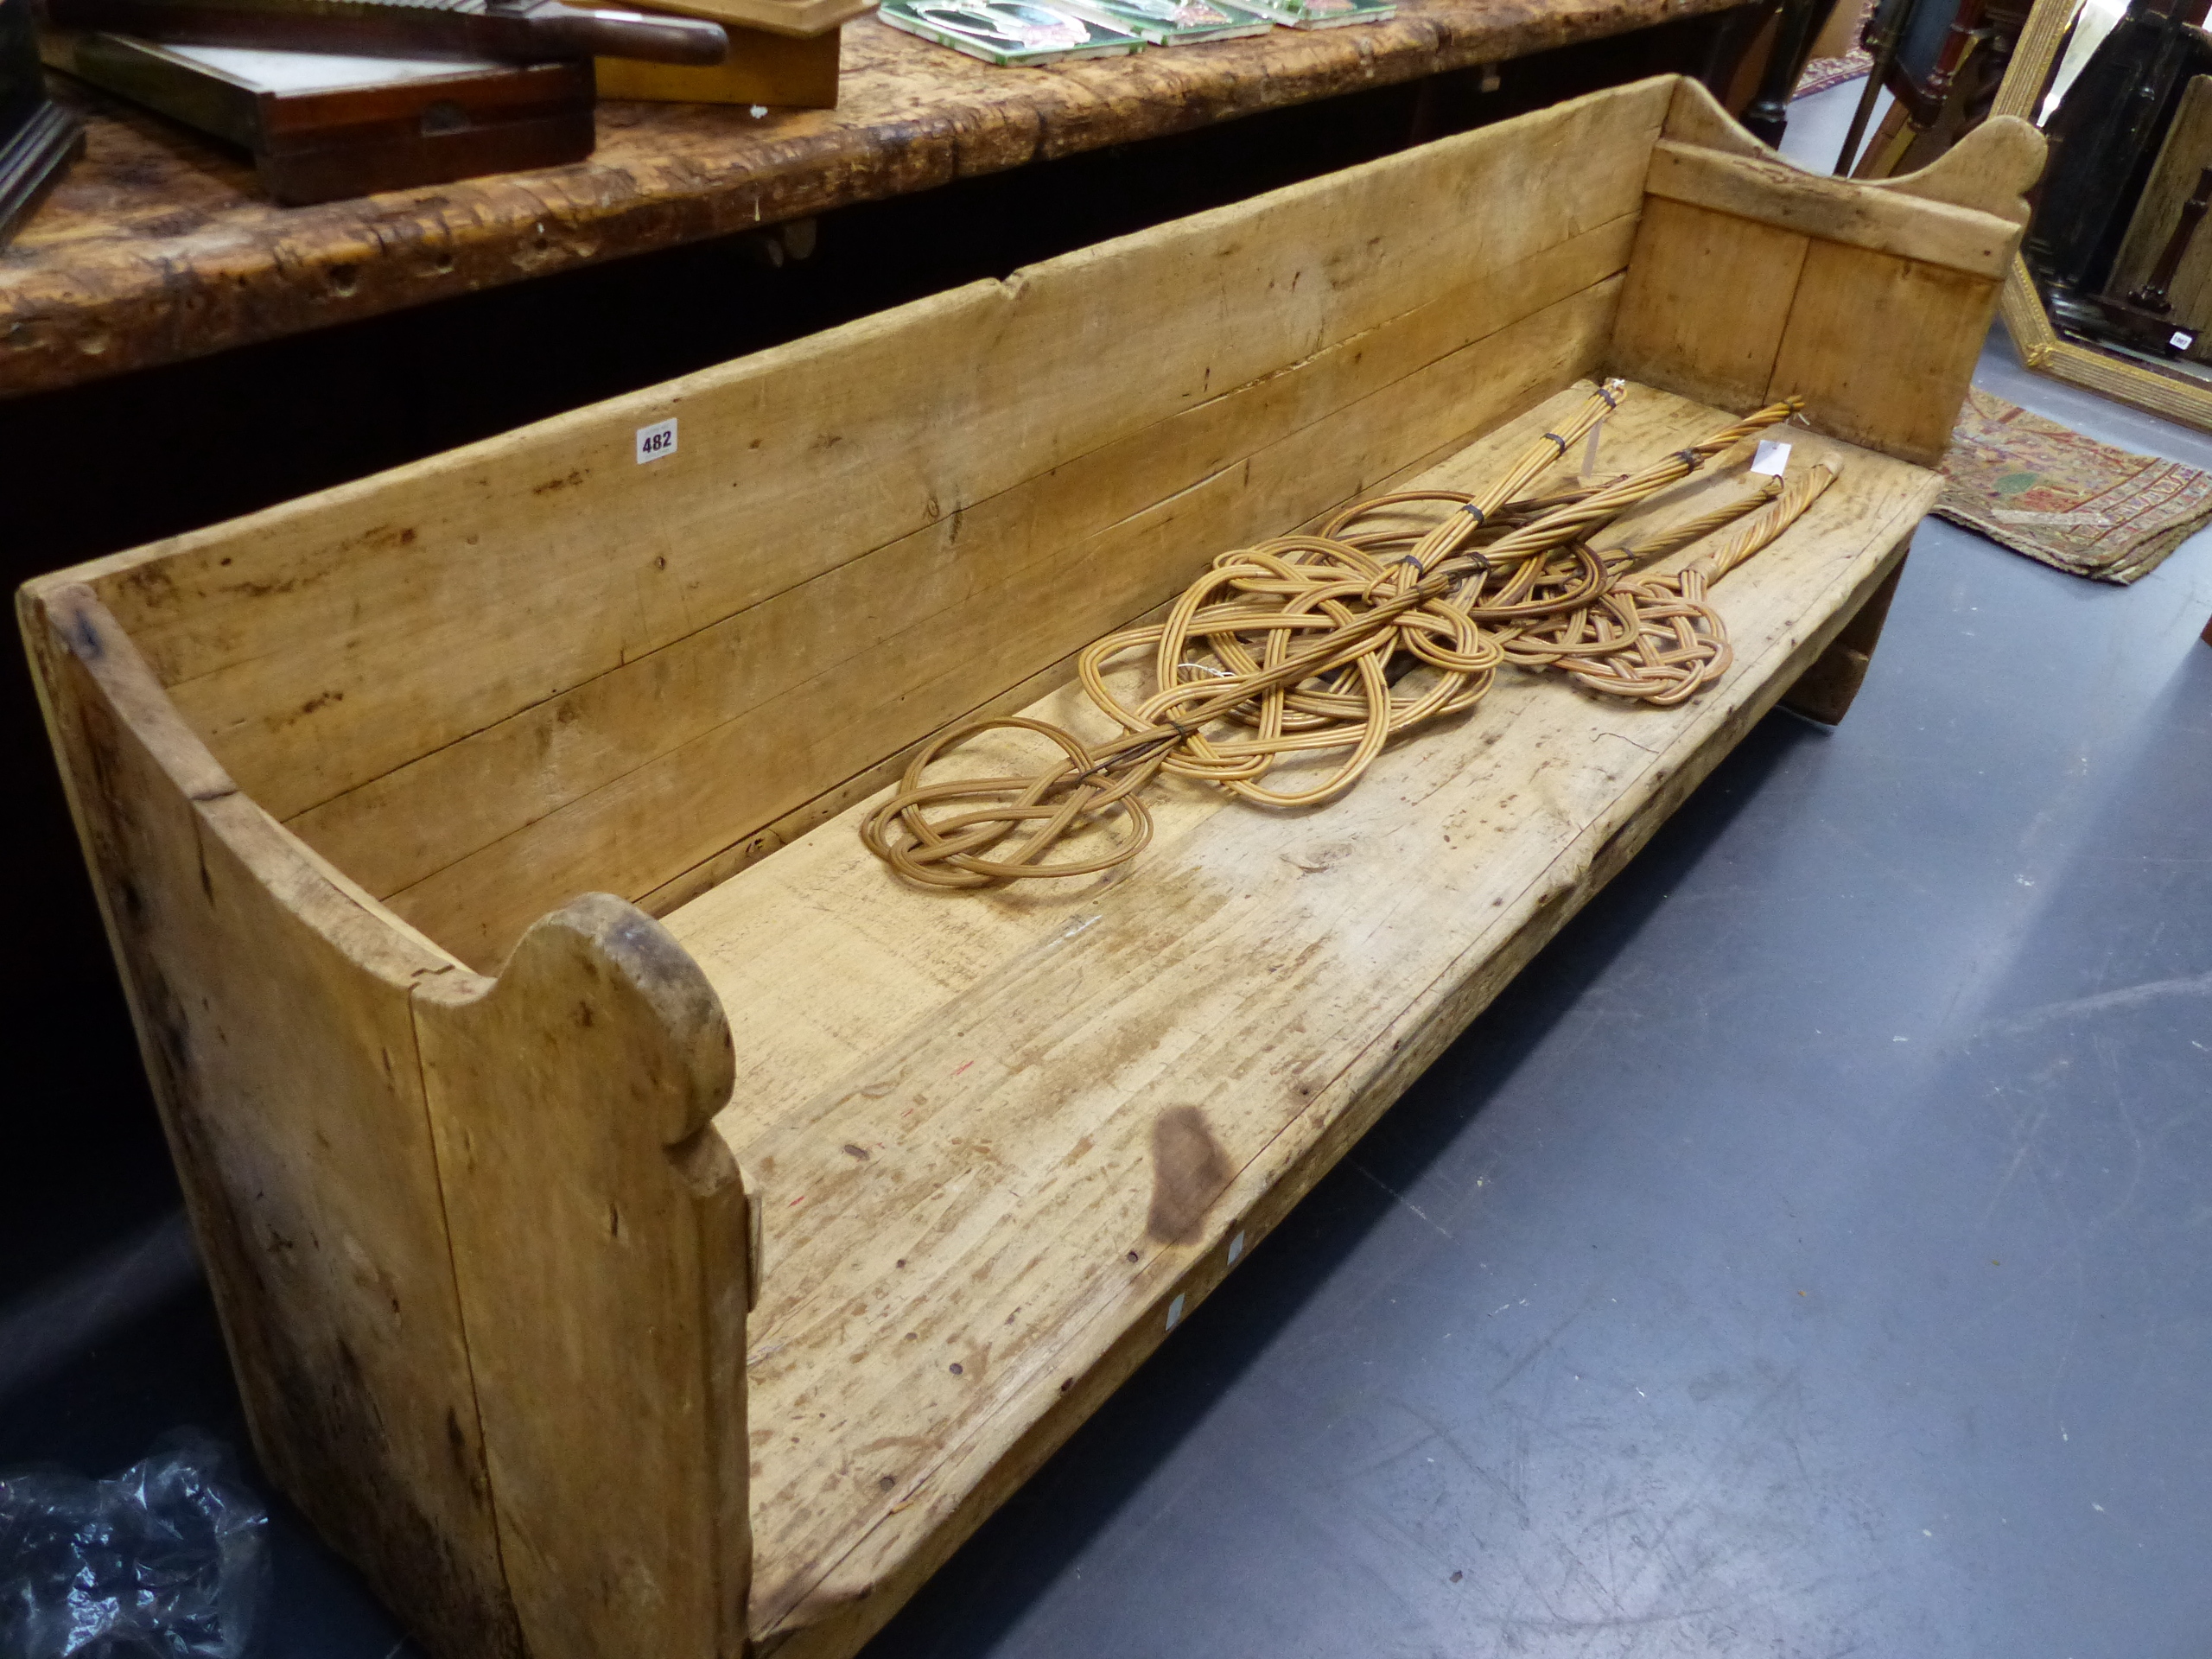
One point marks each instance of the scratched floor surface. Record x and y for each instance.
(1804, 1257)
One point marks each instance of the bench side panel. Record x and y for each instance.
(272, 1011)
(1752, 280)
(602, 1246)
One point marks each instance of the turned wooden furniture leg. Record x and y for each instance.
(1824, 691)
(1768, 117)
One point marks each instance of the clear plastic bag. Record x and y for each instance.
(169, 1560)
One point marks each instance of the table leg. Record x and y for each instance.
(1768, 117)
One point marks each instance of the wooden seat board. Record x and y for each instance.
(1049, 1109)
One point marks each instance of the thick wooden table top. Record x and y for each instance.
(158, 246)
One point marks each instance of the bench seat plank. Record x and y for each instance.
(1003, 1140)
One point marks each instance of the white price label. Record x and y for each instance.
(657, 442)
(2181, 340)
(1771, 458)
(1589, 452)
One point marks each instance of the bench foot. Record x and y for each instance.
(1824, 691)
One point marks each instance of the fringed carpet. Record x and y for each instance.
(2046, 491)
(1824, 73)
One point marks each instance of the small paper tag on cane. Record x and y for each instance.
(1589, 452)
(1771, 458)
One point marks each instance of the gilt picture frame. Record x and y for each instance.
(2041, 347)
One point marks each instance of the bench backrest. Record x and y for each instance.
(541, 665)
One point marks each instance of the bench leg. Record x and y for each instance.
(1824, 691)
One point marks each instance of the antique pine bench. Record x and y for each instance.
(645, 1229)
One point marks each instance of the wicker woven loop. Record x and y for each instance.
(1313, 652)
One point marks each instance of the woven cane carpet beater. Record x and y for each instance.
(1306, 654)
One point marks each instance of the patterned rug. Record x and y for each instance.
(2076, 505)
(1824, 73)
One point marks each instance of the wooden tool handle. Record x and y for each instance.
(603, 31)
(1956, 40)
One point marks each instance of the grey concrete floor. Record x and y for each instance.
(1804, 1257)
(1819, 124)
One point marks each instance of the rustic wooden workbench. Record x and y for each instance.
(158, 246)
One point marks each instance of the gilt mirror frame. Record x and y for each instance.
(2042, 347)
